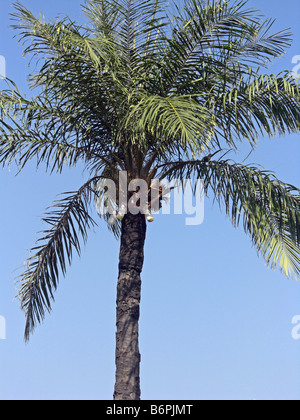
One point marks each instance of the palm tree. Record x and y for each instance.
(157, 96)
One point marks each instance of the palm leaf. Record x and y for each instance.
(219, 32)
(178, 118)
(44, 129)
(259, 105)
(268, 208)
(68, 220)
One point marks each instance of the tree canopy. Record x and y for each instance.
(153, 90)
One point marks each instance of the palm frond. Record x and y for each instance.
(178, 118)
(256, 106)
(68, 220)
(78, 65)
(44, 129)
(268, 208)
(138, 21)
(103, 15)
(219, 32)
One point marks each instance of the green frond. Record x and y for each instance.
(217, 32)
(103, 16)
(78, 64)
(276, 243)
(268, 208)
(68, 220)
(51, 131)
(178, 118)
(256, 106)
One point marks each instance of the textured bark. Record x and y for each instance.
(127, 386)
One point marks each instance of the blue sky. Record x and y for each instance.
(216, 323)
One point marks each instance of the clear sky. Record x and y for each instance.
(216, 323)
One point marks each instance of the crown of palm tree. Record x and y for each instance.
(154, 95)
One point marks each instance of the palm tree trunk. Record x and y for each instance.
(127, 386)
